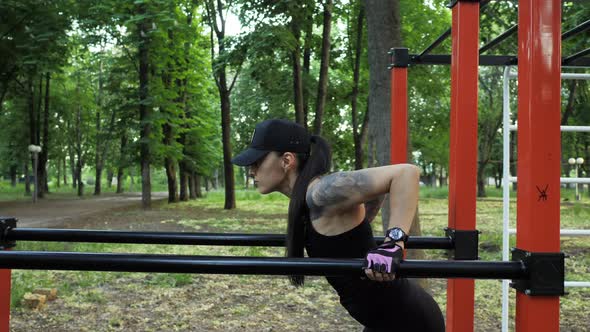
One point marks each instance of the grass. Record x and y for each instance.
(267, 214)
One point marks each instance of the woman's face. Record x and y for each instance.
(268, 173)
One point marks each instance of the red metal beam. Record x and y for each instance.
(5, 284)
(539, 151)
(399, 107)
(463, 150)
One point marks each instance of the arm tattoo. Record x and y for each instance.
(335, 188)
(372, 208)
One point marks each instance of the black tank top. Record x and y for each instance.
(372, 303)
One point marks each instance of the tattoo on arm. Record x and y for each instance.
(335, 188)
(372, 207)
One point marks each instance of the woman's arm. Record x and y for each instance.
(340, 191)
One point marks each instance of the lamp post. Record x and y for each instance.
(576, 161)
(35, 149)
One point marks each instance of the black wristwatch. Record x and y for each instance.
(396, 234)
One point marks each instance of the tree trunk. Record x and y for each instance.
(13, 175)
(32, 127)
(198, 191)
(110, 176)
(297, 79)
(182, 169)
(65, 171)
(98, 163)
(79, 161)
(481, 187)
(207, 184)
(79, 177)
(58, 164)
(570, 103)
(324, 66)
(307, 45)
(383, 33)
(121, 168)
(43, 156)
(228, 169)
(144, 111)
(170, 166)
(27, 179)
(191, 186)
(356, 131)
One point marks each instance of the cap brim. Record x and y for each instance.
(248, 157)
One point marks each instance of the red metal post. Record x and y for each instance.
(539, 150)
(463, 151)
(399, 106)
(5, 284)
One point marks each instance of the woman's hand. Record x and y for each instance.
(382, 262)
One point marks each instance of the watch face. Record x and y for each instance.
(396, 234)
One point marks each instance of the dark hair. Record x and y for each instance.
(317, 163)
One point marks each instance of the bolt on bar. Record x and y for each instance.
(42, 260)
(179, 238)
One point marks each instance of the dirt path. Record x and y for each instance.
(63, 212)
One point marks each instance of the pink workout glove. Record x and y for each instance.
(385, 258)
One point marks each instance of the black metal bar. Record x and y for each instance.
(576, 30)
(445, 59)
(214, 239)
(570, 59)
(34, 260)
(495, 60)
(499, 39)
(435, 43)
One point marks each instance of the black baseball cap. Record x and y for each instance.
(274, 135)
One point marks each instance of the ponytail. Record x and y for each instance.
(318, 162)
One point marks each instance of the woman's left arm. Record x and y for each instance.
(342, 190)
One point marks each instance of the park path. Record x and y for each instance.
(59, 211)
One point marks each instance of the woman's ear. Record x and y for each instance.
(288, 160)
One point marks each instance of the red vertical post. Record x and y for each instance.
(539, 150)
(463, 150)
(399, 105)
(5, 285)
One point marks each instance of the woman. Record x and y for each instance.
(329, 215)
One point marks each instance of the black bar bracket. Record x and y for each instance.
(465, 242)
(454, 2)
(6, 224)
(399, 57)
(545, 271)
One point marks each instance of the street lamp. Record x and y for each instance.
(35, 149)
(576, 161)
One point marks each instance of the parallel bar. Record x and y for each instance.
(41, 260)
(499, 39)
(177, 238)
(539, 149)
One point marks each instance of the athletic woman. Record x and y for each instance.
(330, 215)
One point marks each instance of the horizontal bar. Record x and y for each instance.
(564, 232)
(72, 261)
(499, 39)
(577, 284)
(562, 180)
(564, 76)
(180, 238)
(579, 129)
(575, 30)
(574, 57)
(488, 60)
